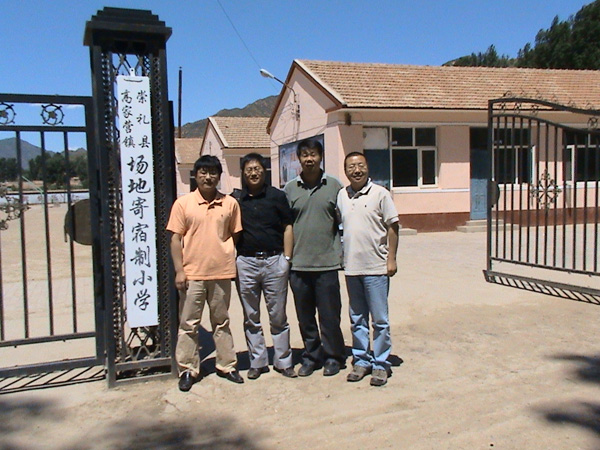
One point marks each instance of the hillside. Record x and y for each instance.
(260, 108)
(8, 149)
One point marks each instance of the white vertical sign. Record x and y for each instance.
(139, 222)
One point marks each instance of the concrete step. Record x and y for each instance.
(473, 226)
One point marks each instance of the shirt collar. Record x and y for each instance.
(363, 191)
(246, 193)
(201, 200)
(323, 179)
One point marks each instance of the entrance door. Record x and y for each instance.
(479, 176)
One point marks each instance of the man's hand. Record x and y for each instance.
(181, 281)
(392, 267)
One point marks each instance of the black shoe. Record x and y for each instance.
(233, 376)
(255, 372)
(331, 368)
(307, 369)
(186, 380)
(288, 372)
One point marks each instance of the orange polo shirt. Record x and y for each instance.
(207, 229)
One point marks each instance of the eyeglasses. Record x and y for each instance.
(353, 167)
(249, 170)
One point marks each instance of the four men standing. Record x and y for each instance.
(271, 229)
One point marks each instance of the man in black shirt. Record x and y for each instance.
(263, 264)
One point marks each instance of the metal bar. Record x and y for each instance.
(44, 339)
(48, 367)
(2, 324)
(566, 151)
(67, 181)
(496, 159)
(142, 364)
(557, 269)
(23, 240)
(545, 283)
(575, 181)
(555, 209)
(490, 176)
(47, 235)
(536, 161)
(506, 173)
(586, 163)
(33, 98)
(597, 178)
(512, 186)
(547, 205)
(38, 128)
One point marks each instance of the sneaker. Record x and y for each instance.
(358, 373)
(379, 377)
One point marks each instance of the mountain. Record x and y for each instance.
(8, 149)
(260, 108)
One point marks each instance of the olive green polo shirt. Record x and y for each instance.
(317, 245)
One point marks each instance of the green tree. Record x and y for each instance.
(9, 169)
(489, 58)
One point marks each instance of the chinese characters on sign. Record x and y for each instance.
(139, 225)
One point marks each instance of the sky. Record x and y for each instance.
(42, 49)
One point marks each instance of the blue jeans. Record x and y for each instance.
(368, 295)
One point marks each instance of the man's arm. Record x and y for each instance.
(177, 256)
(288, 241)
(392, 267)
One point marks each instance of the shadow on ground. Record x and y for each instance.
(214, 433)
(16, 415)
(585, 415)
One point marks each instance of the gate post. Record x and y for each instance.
(132, 43)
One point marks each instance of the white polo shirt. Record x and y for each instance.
(366, 216)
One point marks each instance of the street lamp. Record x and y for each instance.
(296, 108)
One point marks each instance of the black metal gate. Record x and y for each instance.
(49, 306)
(543, 197)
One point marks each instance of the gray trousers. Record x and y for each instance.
(268, 276)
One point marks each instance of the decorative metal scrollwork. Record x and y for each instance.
(593, 123)
(546, 191)
(11, 207)
(7, 114)
(52, 114)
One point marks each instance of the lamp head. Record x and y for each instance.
(265, 73)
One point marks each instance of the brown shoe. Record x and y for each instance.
(288, 372)
(379, 377)
(358, 373)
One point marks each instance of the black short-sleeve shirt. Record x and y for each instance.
(264, 218)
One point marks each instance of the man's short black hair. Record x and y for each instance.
(208, 162)
(351, 154)
(309, 144)
(253, 157)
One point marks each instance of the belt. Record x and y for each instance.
(261, 255)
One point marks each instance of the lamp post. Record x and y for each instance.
(296, 109)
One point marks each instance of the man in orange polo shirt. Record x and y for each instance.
(205, 224)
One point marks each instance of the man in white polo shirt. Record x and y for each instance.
(370, 222)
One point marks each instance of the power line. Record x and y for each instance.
(239, 35)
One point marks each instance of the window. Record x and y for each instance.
(414, 157)
(410, 160)
(513, 156)
(581, 156)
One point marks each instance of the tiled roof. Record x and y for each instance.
(187, 150)
(243, 132)
(366, 85)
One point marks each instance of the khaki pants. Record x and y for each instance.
(217, 293)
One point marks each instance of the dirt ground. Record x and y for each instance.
(476, 366)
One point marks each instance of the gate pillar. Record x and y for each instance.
(135, 179)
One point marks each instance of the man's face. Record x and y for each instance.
(357, 171)
(310, 159)
(207, 179)
(254, 175)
